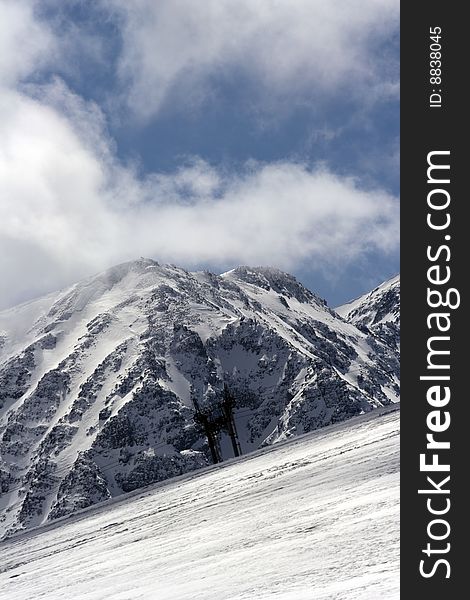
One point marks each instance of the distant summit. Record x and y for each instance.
(378, 310)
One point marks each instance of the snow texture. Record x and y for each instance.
(315, 518)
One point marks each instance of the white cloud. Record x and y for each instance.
(24, 42)
(68, 208)
(172, 49)
(279, 214)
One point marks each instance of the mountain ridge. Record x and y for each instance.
(98, 383)
(378, 311)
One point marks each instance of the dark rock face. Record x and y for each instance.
(83, 486)
(100, 399)
(15, 375)
(151, 469)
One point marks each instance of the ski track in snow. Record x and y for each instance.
(316, 518)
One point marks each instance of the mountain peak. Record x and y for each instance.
(377, 311)
(379, 305)
(100, 383)
(270, 278)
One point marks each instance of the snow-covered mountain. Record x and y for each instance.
(98, 383)
(377, 311)
(316, 517)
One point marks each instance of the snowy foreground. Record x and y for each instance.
(314, 518)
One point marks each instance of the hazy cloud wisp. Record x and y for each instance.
(290, 51)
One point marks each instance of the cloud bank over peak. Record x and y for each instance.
(69, 208)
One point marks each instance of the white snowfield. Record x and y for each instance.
(311, 519)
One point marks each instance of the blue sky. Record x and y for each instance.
(207, 134)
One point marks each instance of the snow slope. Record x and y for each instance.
(380, 305)
(377, 311)
(97, 382)
(315, 518)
